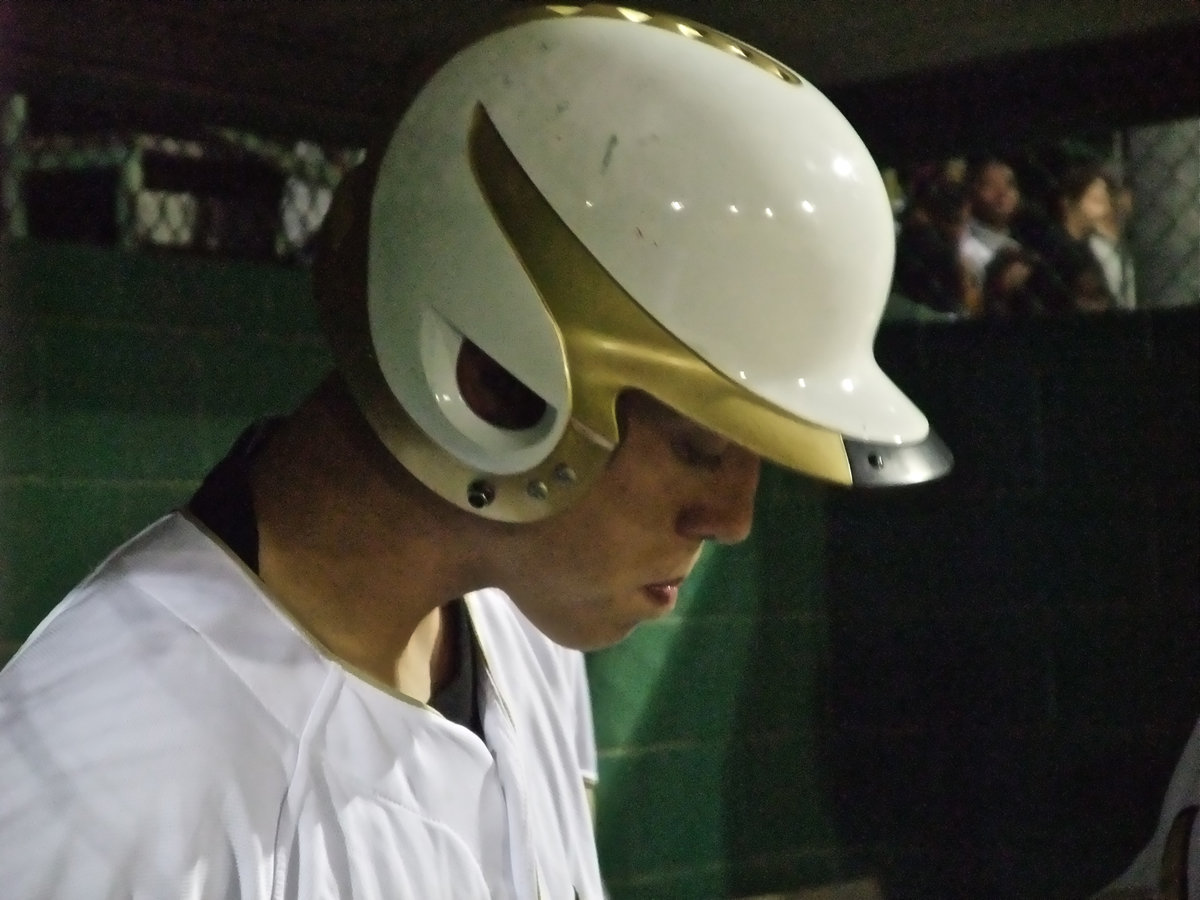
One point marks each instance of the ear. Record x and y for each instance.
(493, 393)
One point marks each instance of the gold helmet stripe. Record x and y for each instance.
(612, 344)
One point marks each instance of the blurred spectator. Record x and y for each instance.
(929, 267)
(1082, 200)
(1107, 243)
(1079, 203)
(994, 201)
(1006, 288)
(1085, 282)
(1019, 283)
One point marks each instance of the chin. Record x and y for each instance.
(587, 639)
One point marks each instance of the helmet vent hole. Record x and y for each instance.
(495, 394)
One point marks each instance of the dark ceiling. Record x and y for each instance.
(917, 78)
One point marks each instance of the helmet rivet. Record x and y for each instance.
(875, 460)
(565, 474)
(537, 490)
(481, 493)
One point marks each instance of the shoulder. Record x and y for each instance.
(138, 725)
(172, 622)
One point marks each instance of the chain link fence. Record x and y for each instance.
(1163, 166)
(222, 193)
(232, 194)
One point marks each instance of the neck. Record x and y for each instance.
(356, 550)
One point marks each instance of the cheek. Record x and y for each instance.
(624, 521)
(635, 491)
(585, 537)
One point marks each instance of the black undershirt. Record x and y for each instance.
(225, 506)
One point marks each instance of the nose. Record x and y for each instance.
(725, 510)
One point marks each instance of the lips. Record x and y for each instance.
(663, 594)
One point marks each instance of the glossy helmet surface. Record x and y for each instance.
(602, 200)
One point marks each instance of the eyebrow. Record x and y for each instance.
(664, 414)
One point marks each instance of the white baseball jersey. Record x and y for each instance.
(169, 733)
(1173, 855)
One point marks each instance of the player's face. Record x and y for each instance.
(615, 559)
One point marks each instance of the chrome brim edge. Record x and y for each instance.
(890, 465)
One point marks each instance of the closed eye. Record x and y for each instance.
(691, 453)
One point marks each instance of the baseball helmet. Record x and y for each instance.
(602, 200)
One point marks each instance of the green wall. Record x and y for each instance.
(975, 688)
(710, 783)
(123, 377)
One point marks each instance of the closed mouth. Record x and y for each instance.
(663, 593)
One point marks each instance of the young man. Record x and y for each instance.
(606, 263)
(994, 198)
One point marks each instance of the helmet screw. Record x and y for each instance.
(537, 490)
(875, 460)
(481, 493)
(565, 474)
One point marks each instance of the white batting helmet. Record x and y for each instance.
(602, 200)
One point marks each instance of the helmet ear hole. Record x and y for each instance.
(495, 394)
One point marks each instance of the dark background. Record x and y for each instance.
(974, 689)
